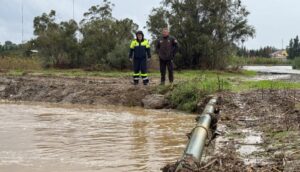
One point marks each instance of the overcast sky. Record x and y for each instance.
(275, 20)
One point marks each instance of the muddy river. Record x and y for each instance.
(48, 138)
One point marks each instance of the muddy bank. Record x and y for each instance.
(113, 91)
(260, 131)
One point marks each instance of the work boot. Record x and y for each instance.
(146, 81)
(136, 82)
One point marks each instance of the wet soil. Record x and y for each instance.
(112, 91)
(260, 131)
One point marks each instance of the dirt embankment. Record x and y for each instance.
(113, 91)
(261, 129)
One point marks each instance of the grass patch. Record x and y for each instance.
(248, 73)
(186, 95)
(69, 73)
(18, 63)
(190, 74)
(82, 73)
(265, 84)
(179, 75)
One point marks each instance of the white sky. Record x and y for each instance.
(274, 20)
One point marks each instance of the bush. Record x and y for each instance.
(118, 57)
(186, 95)
(236, 62)
(296, 63)
(18, 63)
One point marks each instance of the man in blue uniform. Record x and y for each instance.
(139, 54)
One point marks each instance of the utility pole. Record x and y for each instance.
(243, 48)
(73, 11)
(22, 9)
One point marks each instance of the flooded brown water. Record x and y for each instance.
(47, 138)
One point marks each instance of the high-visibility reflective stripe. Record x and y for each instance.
(135, 43)
(146, 78)
(144, 74)
(136, 74)
(145, 43)
(136, 79)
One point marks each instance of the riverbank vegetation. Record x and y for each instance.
(188, 94)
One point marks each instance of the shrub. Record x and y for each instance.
(236, 62)
(118, 57)
(186, 95)
(296, 63)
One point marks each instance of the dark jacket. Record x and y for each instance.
(166, 47)
(140, 49)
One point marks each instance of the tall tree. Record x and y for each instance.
(102, 32)
(206, 29)
(294, 48)
(56, 42)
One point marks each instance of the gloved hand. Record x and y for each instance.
(130, 59)
(148, 59)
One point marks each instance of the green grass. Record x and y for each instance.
(196, 85)
(187, 94)
(265, 84)
(180, 75)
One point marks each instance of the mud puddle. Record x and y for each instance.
(44, 138)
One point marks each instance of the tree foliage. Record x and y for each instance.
(294, 48)
(100, 33)
(261, 52)
(207, 30)
(56, 42)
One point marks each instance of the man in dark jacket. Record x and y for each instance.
(166, 48)
(139, 54)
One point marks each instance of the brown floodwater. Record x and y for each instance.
(55, 138)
